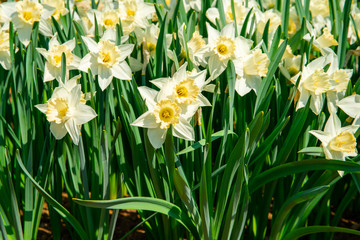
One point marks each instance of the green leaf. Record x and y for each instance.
(298, 167)
(289, 204)
(202, 142)
(314, 151)
(144, 203)
(299, 232)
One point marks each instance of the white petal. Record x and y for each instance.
(316, 103)
(159, 82)
(53, 41)
(184, 130)
(212, 14)
(304, 97)
(91, 44)
(204, 102)
(109, 34)
(157, 136)
(43, 52)
(333, 125)
(25, 34)
(180, 74)
(146, 120)
(148, 95)
(228, 31)
(58, 130)
(122, 71)
(188, 110)
(45, 28)
(324, 137)
(105, 77)
(75, 63)
(350, 105)
(241, 86)
(83, 114)
(49, 72)
(216, 66)
(199, 78)
(85, 63)
(42, 107)
(213, 34)
(125, 51)
(73, 130)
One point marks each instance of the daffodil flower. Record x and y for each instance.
(337, 142)
(313, 83)
(249, 70)
(135, 13)
(222, 47)
(59, 5)
(184, 87)
(162, 113)
(24, 14)
(106, 59)
(339, 79)
(66, 111)
(53, 58)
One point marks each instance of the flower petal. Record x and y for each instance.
(58, 130)
(83, 114)
(157, 136)
(122, 71)
(146, 120)
(184, 130)
(91, 44)
(105, 77)
(73, 130)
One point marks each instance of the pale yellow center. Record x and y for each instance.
(318, 82)
(186, 91)
(319, 7)
(225, 48)
(110, 19)
(341, 80)
(344, 142)
(56, 55)
(196, 42)
(130, 12)
(167, 112)
(29, 12)
(57, 110)
(327, 39)
(257, 64)
(108, 53)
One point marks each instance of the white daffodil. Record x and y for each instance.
(135, 13)
(290, 65)
(195, 46)
(24, 14)
(339, 79)
(222, 47)
(66, 111)
(270, 15)
(53, 58)
(149, 38)
(192, 4)
(351, 106)
(337, 142)
(59, 5)
(5, 60)
(313, 83)
(324, 41)
(184, 87)
(249, 70)
(319, 8)
(240, 12)
(163, 113)
(106, 59)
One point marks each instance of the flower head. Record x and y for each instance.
(337, 142)
(66, 111)
(54, 58)
(106, 59)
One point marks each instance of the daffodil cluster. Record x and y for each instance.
(173, 105)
